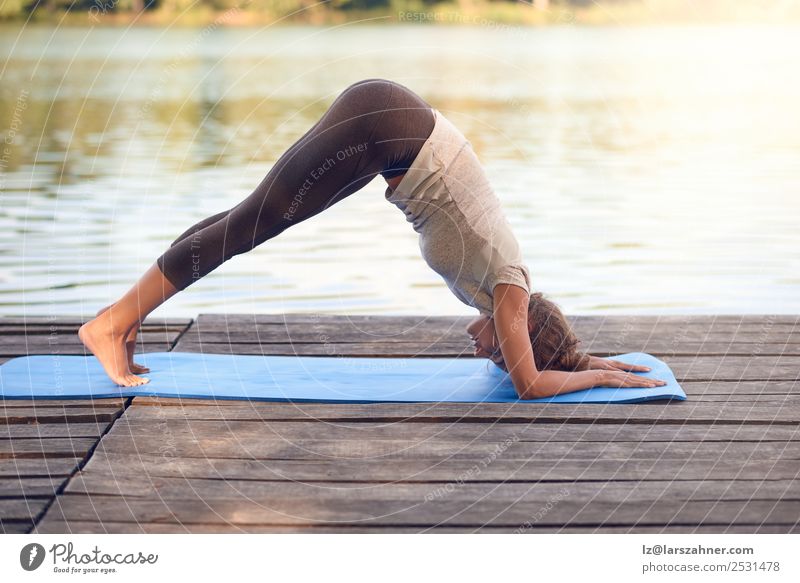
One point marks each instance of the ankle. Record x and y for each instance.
(118, 322)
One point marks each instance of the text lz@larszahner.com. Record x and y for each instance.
(65, 555)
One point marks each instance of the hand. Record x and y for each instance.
(609, 378)
(605, 364)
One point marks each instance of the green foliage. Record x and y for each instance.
(358, 4)
(260, 11)
(20, 8)
(11, 8)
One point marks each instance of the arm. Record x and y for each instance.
(511, 326)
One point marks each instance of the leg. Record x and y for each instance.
(331, 161)
(339, 155)
(105, 335)
(130, 340)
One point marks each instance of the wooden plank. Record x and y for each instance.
(87, 527)
(735, 368)
(62, 340)
(47, 335)
(464, 347)
(38, 468)
(254, 448)
(682, 413)
(408, 350)
(143, 466)
(21, 509)
(466, 432)
(28, 487)
(359, 320)
(115, 402)
(13, 415)
(14, 527)
(661, 348)
(45, 448)
(95, 483)
(693, 332)
(616, 340)
(454, 350)
(70, 349)
(745, 389)
(17, 431)
(691, 328)
(399, 327)
(698, 391)
(622, 321)
(59, 327)
(446, 337)
(332, 510)
(756, 400)
(686, 368)
(704, 319)
(78, 320)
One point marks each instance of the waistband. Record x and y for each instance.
(432, 160)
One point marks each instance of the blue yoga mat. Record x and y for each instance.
(304, 378)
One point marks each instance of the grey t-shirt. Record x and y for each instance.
(464, 235)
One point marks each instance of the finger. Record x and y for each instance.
(630, 367)
(645, 382)
(629, 380)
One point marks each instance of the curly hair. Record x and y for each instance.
(553, 342)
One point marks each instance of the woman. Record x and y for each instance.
(375, 127)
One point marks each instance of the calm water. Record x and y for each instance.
(650, 170)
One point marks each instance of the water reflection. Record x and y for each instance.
(646, 170)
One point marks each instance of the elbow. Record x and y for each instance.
(532, 390)
(529, 395)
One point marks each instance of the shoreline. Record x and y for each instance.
(480, 15)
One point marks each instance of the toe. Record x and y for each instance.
(129, 380)
(138, 380)
(138, 368)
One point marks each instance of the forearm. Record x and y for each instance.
(510, 314)
(555, 382)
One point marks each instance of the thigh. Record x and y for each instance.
(332, 160)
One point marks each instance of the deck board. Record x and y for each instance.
(88, 527)
(333, 510)
(722, 336)
(725, 460)
(44, 441)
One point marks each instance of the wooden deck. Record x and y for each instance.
(725, 460)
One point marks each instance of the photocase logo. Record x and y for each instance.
(31, 556)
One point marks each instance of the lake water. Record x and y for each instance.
(646, 170)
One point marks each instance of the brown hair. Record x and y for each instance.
(553, 342)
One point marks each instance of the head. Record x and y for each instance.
(552, 340)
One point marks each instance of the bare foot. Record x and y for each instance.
(108, 345)
(130, 347)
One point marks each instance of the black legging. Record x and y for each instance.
(373, 127)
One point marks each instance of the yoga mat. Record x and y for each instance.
(305, 378)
